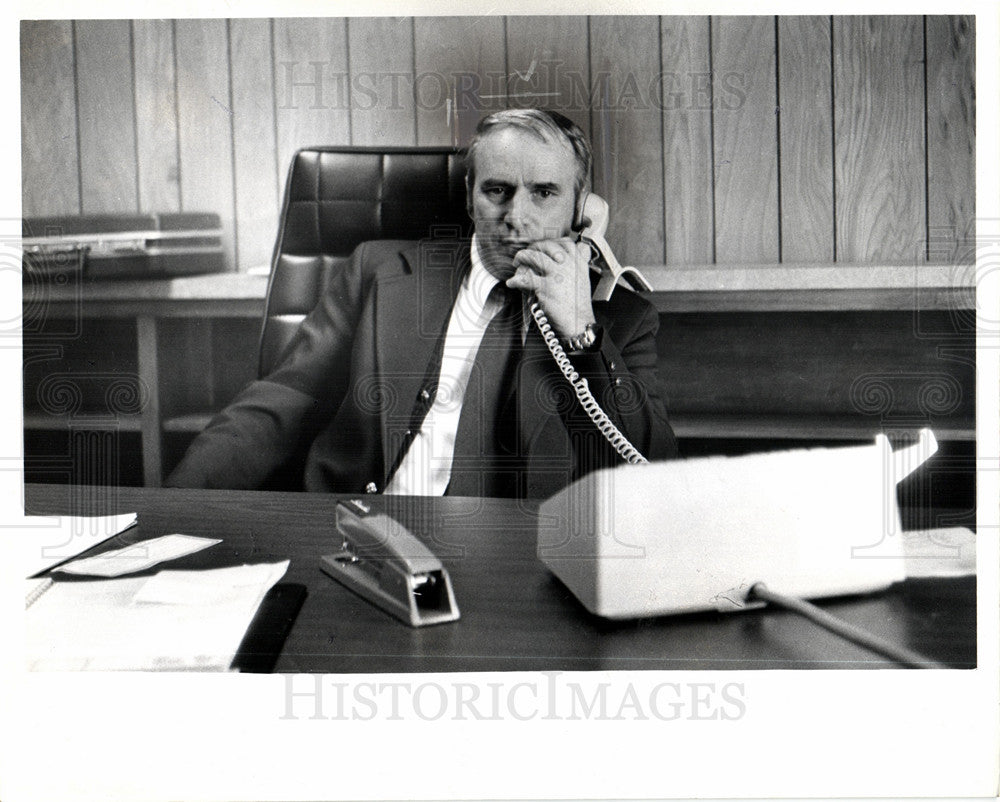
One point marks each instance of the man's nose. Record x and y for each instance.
(518, 211)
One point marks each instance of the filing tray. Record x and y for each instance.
(123, 246)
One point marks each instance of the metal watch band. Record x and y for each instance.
(584, 340)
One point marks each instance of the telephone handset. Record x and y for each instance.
(591, 223)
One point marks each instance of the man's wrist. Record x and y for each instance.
(587, 340)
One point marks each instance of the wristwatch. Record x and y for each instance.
(585, 341)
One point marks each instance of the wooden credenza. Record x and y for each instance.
(106, 361)
(759, 356)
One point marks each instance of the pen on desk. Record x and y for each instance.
(36, 592)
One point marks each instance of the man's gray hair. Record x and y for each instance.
(546, 125)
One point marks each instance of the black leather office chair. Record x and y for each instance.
(339, 197)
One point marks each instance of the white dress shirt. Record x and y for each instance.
(425, 470)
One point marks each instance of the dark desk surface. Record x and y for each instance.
(515, 614)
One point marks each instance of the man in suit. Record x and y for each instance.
(421, 371)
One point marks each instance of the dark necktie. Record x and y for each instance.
(485, 459)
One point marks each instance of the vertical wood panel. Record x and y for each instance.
(107, 116)
(548, 65)
(381, 67)
(806, 131)
(460, 75)
(687, 140)
(627, 125)
(746, 160)
(256, 179)
(205, 122)
(879, 137)
(951, 134)
(311, 85)
(650, 105)
(50, 170)
(156, 115)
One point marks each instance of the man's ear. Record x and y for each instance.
(468, 198)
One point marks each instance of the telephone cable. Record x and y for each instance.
(605, 425)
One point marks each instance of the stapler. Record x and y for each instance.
(381, 561)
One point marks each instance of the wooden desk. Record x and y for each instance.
(515, 614)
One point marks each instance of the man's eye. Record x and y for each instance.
(544, 193)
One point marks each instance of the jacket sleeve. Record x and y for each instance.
(622, 377)
(274, 417)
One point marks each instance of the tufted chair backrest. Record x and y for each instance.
(339, 197)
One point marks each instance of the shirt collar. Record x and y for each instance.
(480, 281)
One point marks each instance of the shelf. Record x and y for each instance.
(810, 287)
(43, 421)
(217, 295)
(688, 288)
(799, 427)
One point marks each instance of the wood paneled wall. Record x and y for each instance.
(722, 139)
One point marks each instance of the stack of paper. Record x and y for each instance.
(173, 620)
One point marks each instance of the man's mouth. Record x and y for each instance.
(513, 246)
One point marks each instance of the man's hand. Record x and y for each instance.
(557, 272)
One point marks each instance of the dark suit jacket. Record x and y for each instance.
(359, 374)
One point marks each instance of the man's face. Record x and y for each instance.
(524, 192)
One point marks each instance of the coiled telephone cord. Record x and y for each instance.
(604, 424)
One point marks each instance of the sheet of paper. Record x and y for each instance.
(138, 556)
(949, 552)
(48, 540)
(190, 622)
(188, 588)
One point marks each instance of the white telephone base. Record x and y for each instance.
(691, 535)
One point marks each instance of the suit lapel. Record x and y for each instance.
(411, 315)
